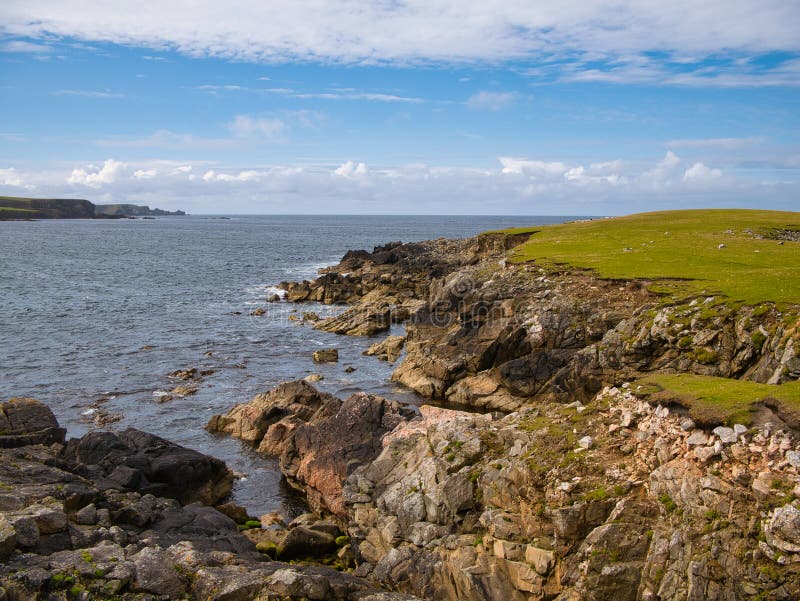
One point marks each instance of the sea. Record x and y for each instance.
(96, 313)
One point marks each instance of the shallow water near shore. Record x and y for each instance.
(97, 313)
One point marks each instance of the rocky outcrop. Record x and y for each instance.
(485, 333)
(319, 438)
(67, 532)
(603, 501)
(388, 349)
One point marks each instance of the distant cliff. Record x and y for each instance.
(127, 210)
(12, 207)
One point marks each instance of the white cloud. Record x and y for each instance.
(584, 33)
(699, 172)
(524, 166)
(23, 47)
(10, 177)
(246, 126)
(511, 185)
(490, 101)
(96, 177)
(351, 169)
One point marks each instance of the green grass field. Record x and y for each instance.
(678, 251)
(711, 401)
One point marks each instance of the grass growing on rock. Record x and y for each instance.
(712, 401)
(679, 251)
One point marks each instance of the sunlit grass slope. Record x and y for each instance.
(680, 252)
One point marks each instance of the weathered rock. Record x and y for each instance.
(156, 574)
(151, 464)
(328, 355)
(388, 349)
(26, 421)
(303, 542)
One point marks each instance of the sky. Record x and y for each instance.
(403, 107)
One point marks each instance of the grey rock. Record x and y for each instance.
(793, 457)
(698, 437)
(687, 425)
(8, 538)
(303, 542)
(155, 573)
(726, 435)
(87, 515)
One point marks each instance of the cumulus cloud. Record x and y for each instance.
(490, 101)
(511, 185)
(577, 35)
(351, 169)
(96, 177)
(532, 167)
(699, 172)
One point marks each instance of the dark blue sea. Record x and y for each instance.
(96, 313)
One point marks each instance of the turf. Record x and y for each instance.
(679, 253)
(712, 401)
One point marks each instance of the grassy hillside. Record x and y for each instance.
(712, 401)
(13, 207)
(680, 251)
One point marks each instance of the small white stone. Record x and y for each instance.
(687, 425)
(739, 429)
(697, 438)
(586, 442)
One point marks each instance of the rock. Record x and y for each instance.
(697, 438)
(185, 390)
(8, 538)
(705, 454)
(303, 542)
(726, 435)
(25, 421)
(739, 429)
(258, 312)
(155, 573)
(541, 559)
(388, 349)
(793, 457)
(314, 378)
(783, 529)
(236, 512)
(586, 442)
(289, 583)
(361, 320)
(151, 464)
(310, 316)
(86, 515)
(190, 373)
(330, 355)
(687, 425)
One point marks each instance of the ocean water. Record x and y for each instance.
(96, 314)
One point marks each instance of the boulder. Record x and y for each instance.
(25, 421)
(388, 349)
(141, 461)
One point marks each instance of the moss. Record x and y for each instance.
(252, 524)
(704, 356)
(758, 338)
(86, 556)
(598, 494)
(267, 548)
(685, 342)
(668, 503)
(341, 541)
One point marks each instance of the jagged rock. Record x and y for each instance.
(8, 538)
(329, 355)
(362, 320)
(151, 464)
(726, 435)
(388, 349)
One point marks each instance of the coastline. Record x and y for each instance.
(579, 478)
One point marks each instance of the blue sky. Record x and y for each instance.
(436, 107)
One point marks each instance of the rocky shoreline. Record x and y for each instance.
(566, 478)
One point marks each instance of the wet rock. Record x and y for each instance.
(388, 349)
(330, 355)
(303, 542)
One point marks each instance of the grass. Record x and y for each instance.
(679, 251)
(712, 401)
